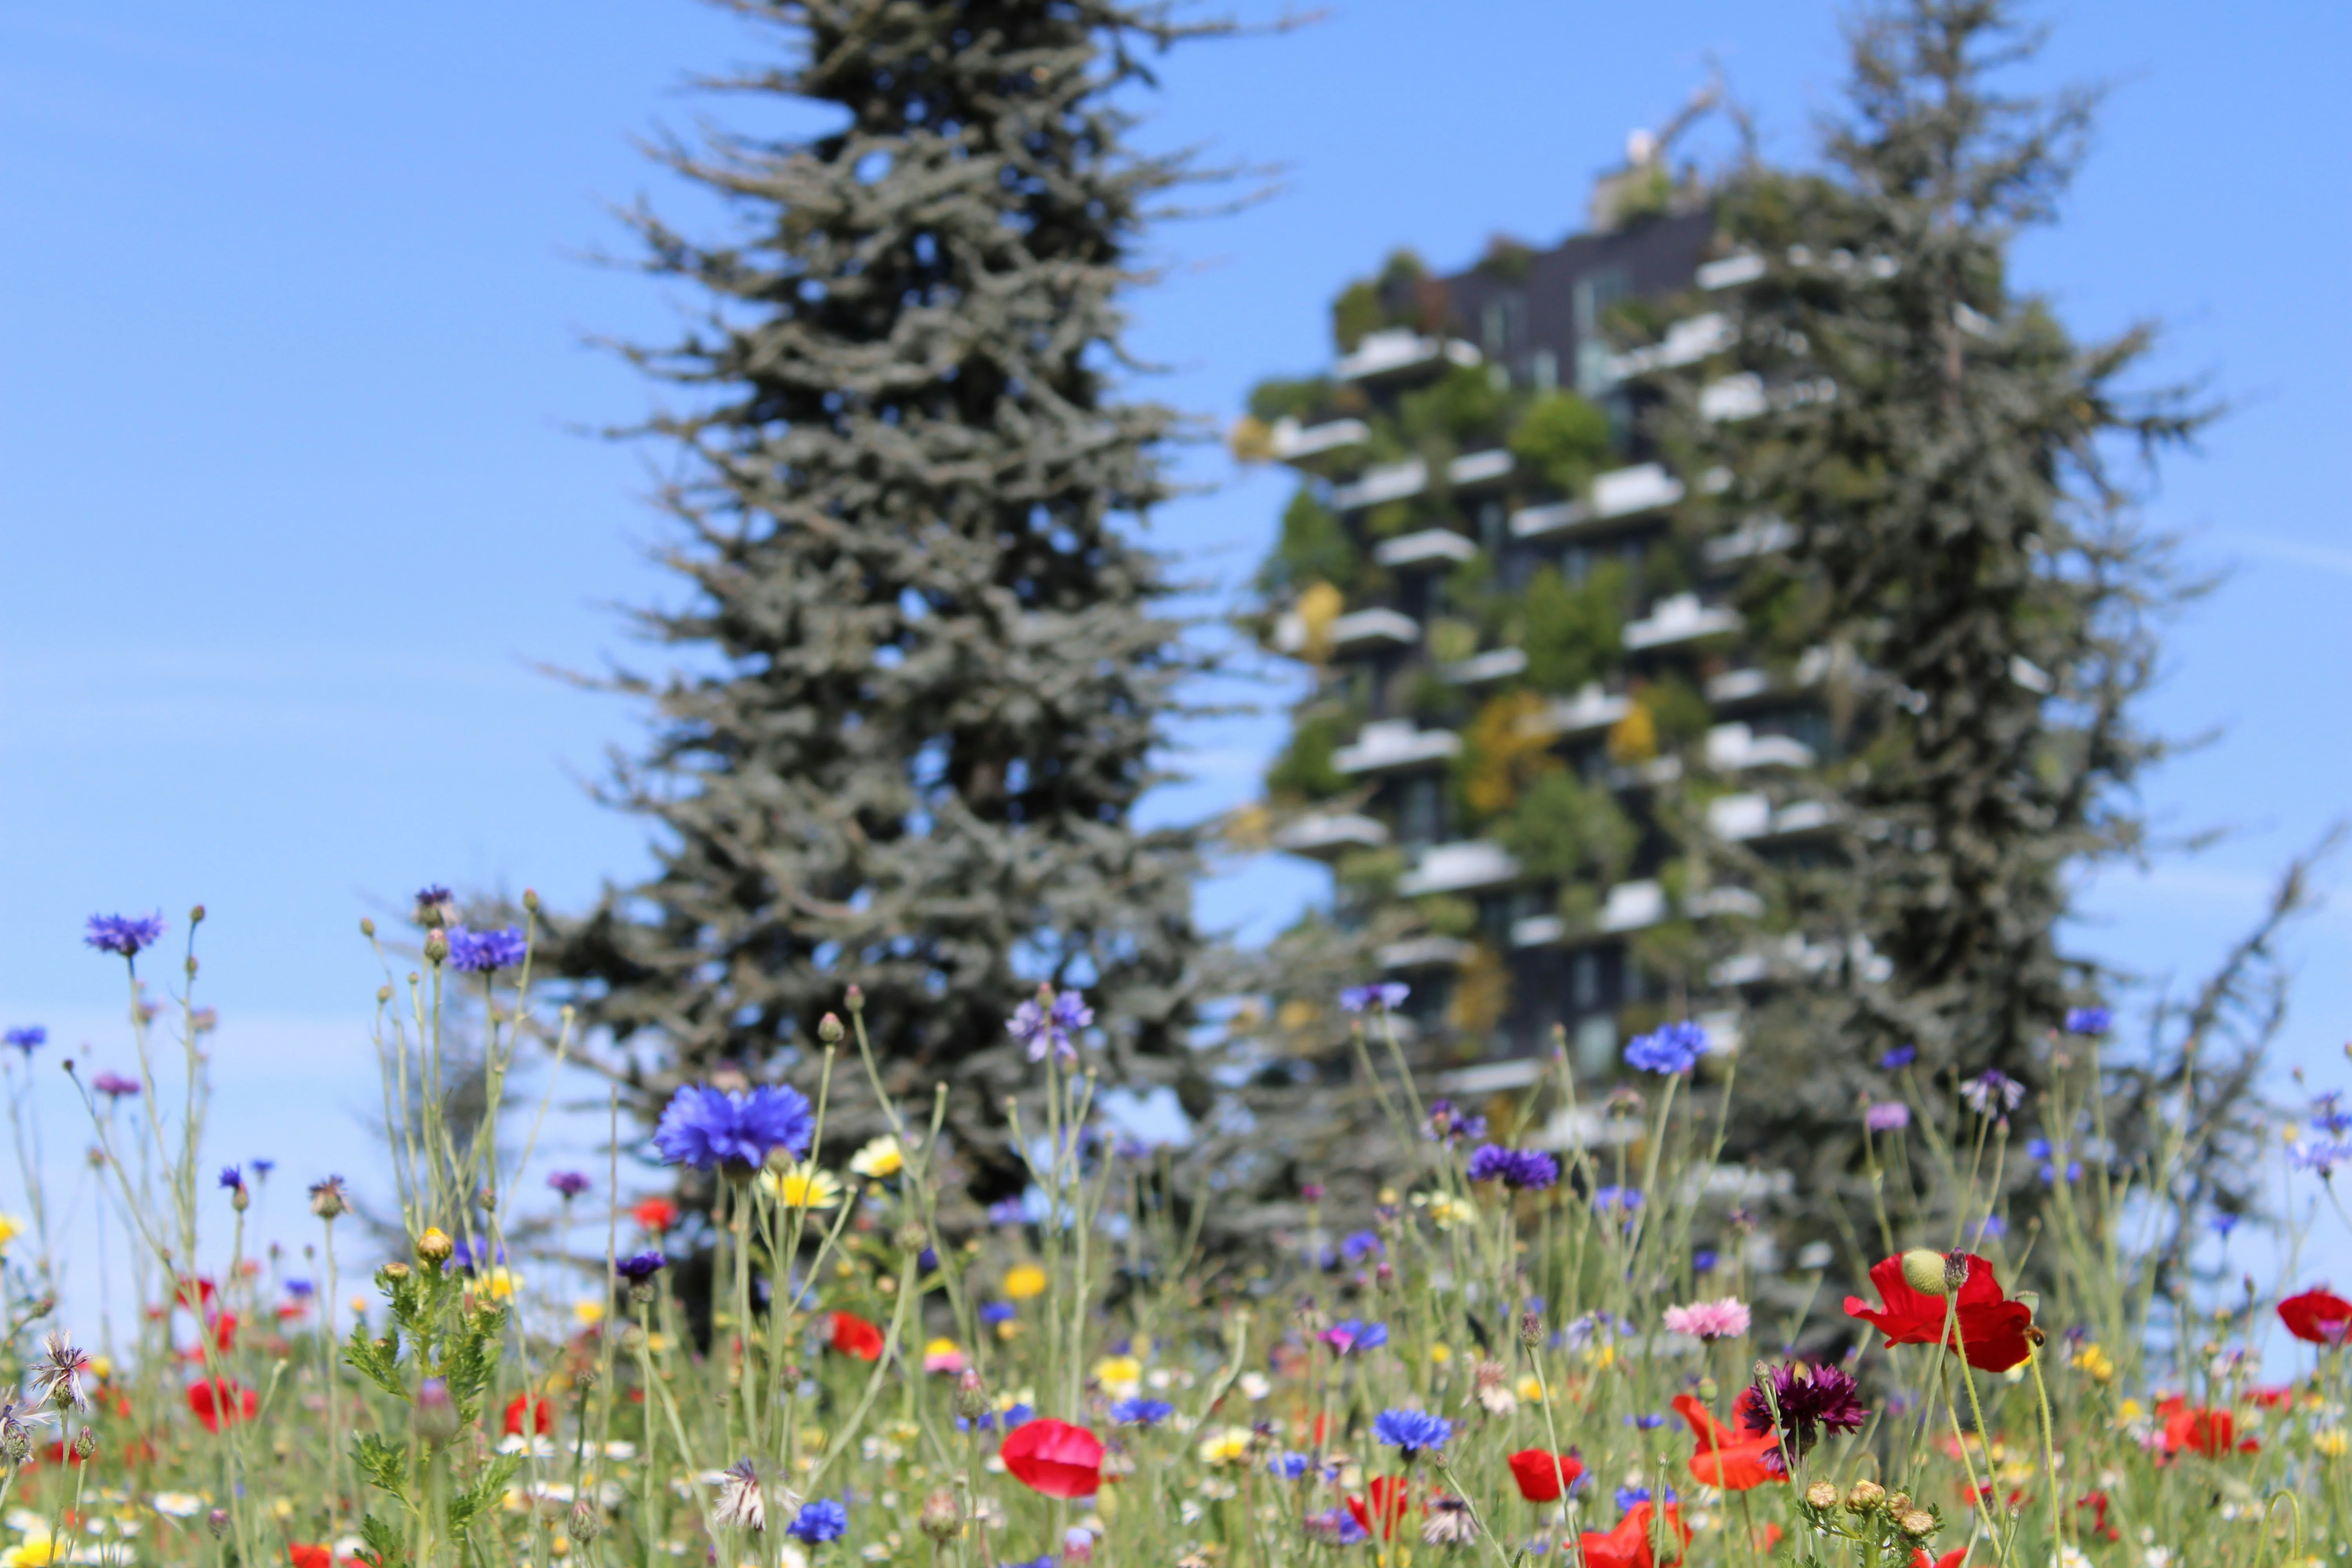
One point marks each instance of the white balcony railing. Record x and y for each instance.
(1680, 618)
(1430, 545)
(1296, 443)
(1621, 492)
(1423, 952)
(1459, 867)
(1389, 744)
(1630, 906)
(1478, 467)
(1388, 482)
(1732, 399)
(1400, 349)
(1494, 663)
(1591, 709)
(1371, 628)
(1326, 835)
(1758, 535)
(1687, 342)
(1733, 748)
(1731, 271)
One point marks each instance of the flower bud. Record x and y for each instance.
(585, 1523)
(854, 999)
(1899, 1504)
(1822, 1494)
(435, 1248)
(367, 926)
(1865, 1495)
(196, 915)
(911, 1236)
(396, 1271)
(85, 1444)
(530, 899)
(16, 1443)
(940, 1518)
(829, 1030)
(434, 1414)
(584, 1379)
(1531, 1328)
(1955, 1270)
(217, 1523)
(239, 1198)
(437, 945)
(971, 1395)
(1919, 1525)
(1923, 1271)
(489, 1198)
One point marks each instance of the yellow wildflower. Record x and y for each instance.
(802, 1186)
(2331, 1442)
(880, 1158)
(1530, 1386)
(1120, 1375)
(1226, 1446)
(1440, 1354)
(11, 1227)
(2130, 1410)
(35, 1551)
(1024, 1280)
(502, 1283)
(588, 1312)
(2096, 1361)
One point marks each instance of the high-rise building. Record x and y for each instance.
(1522, 634)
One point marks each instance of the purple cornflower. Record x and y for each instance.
(994, 1312)
(480, 952)
(2089, 1021)
(1007, 1211)
(989, 1420)
(465, 1259)
(1358, 1246)
(1045, 1023)
(1140, 1411)
(232, 1179)
(60, 1372)
(262, 1168)
(1350, 1335)
(567, 1183)
(1519, 1169)
(640, 1267)
(2320, 1155)
(1448, 1124)
(1808, 1401)
(707, 1127)
(1899, 1058)
(1617, 1200)
(2224, 1222)
(1388, 996)
(2328, 1115)
(1672, 1049)
(436, 907)
(125, 934)
(1628, 1497)
(27, 1038)
(1990, 1085)
(1289, 1464)
(301, 1289)
(1411, 1432)
(820, 1519)
(113, 1085)
(1649, 1421)
(1335, 1527)
(1891, 1116)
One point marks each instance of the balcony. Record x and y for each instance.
(1733, 748)
(1538, 930)
(1430, 546)
(1399, 350)
(1732, 399)
(1391, 744)
(1731, 271)
(1737, 685)
(1389, 481)
(1295, 443)
(1630, 906)
(1687, 342)
(1679, 618)
(1591, 709)
(1459, 867)
(1621, 492)
(1326, 835)
(1364, 629)
(1759, 535)
(1422, 953)
(1478, 469)
(1494, 663)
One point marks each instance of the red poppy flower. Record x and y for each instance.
(1920, 1559)
(1387, 1502)
(225, 1332)
(1735, 1459)
(2277, 1398)
(854, 1336)
(1628, 1545)
(1054, 1457)
(192, 1292)
(656, 1215)
(217, 1401)
(2200, 1429)
(61, 1453)
(310, 1556)
(1542, 1476)
(1767, 1536)
(1991, 1326)
(2318, 1317)
(541, 1418)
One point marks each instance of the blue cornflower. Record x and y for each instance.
(2321, 1155)
(1388, 996)
(1046, 1022)
(1358, 1245)
(1411, 1432)
(2037, 1148)
(639, 1268)
(989, 1420)
(707, 1128)
(1994, 1227)
(1629, 1496)
(819, 1520)
(463, 1258)
(1703, 1261)
(998, 1311)
(2224, 1222)
(1617, 1200)
(1647, 1422)
(1007, 1211)
(1289, 1465)
(2328, 1115)
(1899, 1058)
(1519, 1169)
(1672, 1049)
(262, 1168)
(232, 1179)
(2089, 1021)
(301, 1289)
(1350, 1335)
(1333, 1526)
(1448, 1123)
(1140, 1412)
(125, 934)
(480, 952)
(1989, 1086)
(27, 1038)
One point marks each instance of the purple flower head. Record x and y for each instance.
(232, 1179)
(480, 952)
(1989, 1086)
(1519, 1169)
(1896, 1060)
(436, 907)
(27, 1038)
(261, 1168)
(1046, 1023)
(639, 1268)
(1704, 1260)
(1358, 1246)
(1140, 1411)
(1890, 1116)
(113, 1085)
(1617, 1200)
(1648, 1421)
(1289, 1464)
(1335, 1527)
(1449, 1124)
(1808, 1401)
(707, 1127)
(1994, 1226)
(1628, 1497)
(301, 1289)
(1388, 996)
(1350, 1335)
(125, 934)
(2089, 1021)
(989, 1420)
(465, 1259)
(1672, 1049)
(2328, 1115)
(567, 1183)
(2320, 1155)
(1411, 1432)
(2224, 1222)
(994, 1312)
(1007, 1211)
(819, 1520)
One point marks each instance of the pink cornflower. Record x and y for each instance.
(1724, 1320)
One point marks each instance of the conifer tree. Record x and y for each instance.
(924, 660)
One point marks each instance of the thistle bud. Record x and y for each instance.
(1531, 1328)
(940, 1518)
(1822, 1494)
(1865, 1495)
(367, 927)
(854, 999)
(911, 1236)
(585, 1523)
(437, 945)
(1923, 1271)
(584, 1379)
(530, 899)
(85, 1444)
(434, 1414)
(1919, 1525)
(489, 1198)
(435, 1248)
(829, 1029)
(971, 1395)
(16, 1443)
(217, 1523)
(239, 1198)
(1955, 1270)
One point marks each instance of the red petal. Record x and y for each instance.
(1054, 1457)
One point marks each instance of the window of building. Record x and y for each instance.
(1420, 812)
(1584, 980)
(1596, 1045)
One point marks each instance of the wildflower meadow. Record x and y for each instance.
(1535, 1349)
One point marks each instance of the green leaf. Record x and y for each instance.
(378, 1360)
(488, 1486)
(384, 1463)
(384, 1541)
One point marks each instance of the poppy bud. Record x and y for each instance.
(1923, 1271)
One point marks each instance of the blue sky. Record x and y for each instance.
(294, 373)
